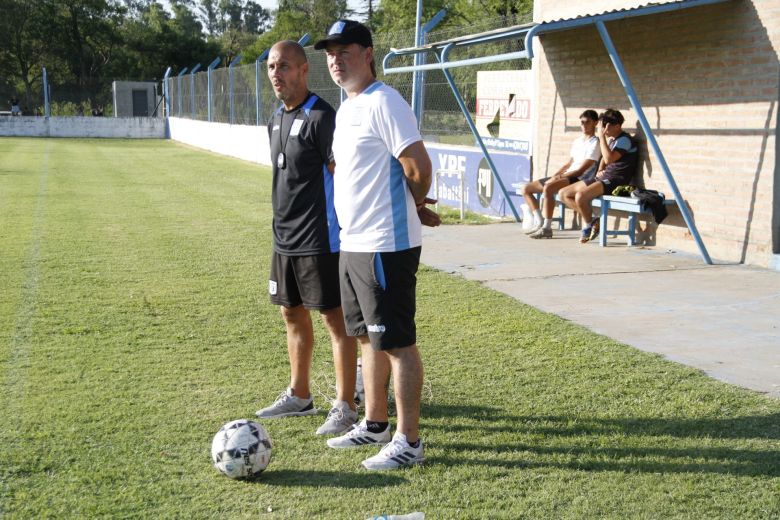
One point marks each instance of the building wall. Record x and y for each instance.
(707, 78)
(123, 97)
(130, 127)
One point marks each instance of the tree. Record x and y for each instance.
(294, 18)
(24, 30)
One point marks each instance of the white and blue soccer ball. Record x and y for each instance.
(241, 449)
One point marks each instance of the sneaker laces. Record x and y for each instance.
(335, 413)
(283, 398)
(393, 448)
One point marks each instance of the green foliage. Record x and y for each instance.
(134, 322)
(294, 18)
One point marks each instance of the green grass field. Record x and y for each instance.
(134, 322)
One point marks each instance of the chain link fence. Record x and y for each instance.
(243, 94)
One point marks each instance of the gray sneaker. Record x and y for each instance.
(288, 405)
(542, 232)
(340, 418)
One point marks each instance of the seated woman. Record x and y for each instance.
(619, 156)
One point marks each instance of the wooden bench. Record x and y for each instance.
(627, 204)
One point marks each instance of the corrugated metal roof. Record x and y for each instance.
(584, 13)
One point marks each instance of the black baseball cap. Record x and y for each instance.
(345, 32)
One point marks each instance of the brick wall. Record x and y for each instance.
(707, 78)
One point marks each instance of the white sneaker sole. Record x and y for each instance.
(360, 442)
(391, 464)
(313, 411)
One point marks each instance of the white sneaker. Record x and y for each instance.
(359, 435)
(340, 418)
(288, 405)
(395, 454)
(534, 228)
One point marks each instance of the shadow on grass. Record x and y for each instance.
(609, 444)
(335, 479)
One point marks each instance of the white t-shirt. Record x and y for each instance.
(582, 149)
(373, 202)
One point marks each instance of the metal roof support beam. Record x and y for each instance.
(632, 98)
(475, 132)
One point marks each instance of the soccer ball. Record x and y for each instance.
(241, 449)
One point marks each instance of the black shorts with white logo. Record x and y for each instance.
(378, 296)
(311, 281)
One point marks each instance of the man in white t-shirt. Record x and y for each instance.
(383, 174)
(583, 161)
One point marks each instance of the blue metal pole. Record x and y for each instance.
(428, 27)
(258, 90)
(629, 88)
(230, 89)
(475, 132)
(208, 85)
(195, 69)
(166, 92)
(178, 86)
(46, 106)
(417, 62)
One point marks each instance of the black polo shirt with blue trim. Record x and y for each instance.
(304, 220)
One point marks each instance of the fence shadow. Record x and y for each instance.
(632, 444)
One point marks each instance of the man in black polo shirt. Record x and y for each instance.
(304, 266)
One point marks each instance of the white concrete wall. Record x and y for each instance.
(122, 127)
(242, 141)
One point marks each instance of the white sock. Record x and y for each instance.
(547, 223)
(537, 216)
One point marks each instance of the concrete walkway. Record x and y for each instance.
(723, 319)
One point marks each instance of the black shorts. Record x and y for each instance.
(609, 183)
(572, 180)
(378, 296)
(311, 281)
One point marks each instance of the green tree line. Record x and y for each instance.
(87, 44)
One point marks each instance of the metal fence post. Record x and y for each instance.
(420, 94)
(231, 95)
(195, 69)
(208, 85)
(167, 92)
(46, 107)
(178, 86)
(258, 90)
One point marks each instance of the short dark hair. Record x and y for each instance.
(590, 114)
(611, 116)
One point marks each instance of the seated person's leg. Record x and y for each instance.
(528, 194)
(583, 199)
(551, 187)
(567, 194)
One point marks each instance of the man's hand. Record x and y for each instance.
(428, 217)
(599, 129)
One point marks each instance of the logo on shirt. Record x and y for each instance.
(376, 328)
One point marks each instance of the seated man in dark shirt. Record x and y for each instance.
(619, 155)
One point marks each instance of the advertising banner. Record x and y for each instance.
(462, 173)
(503, 111)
